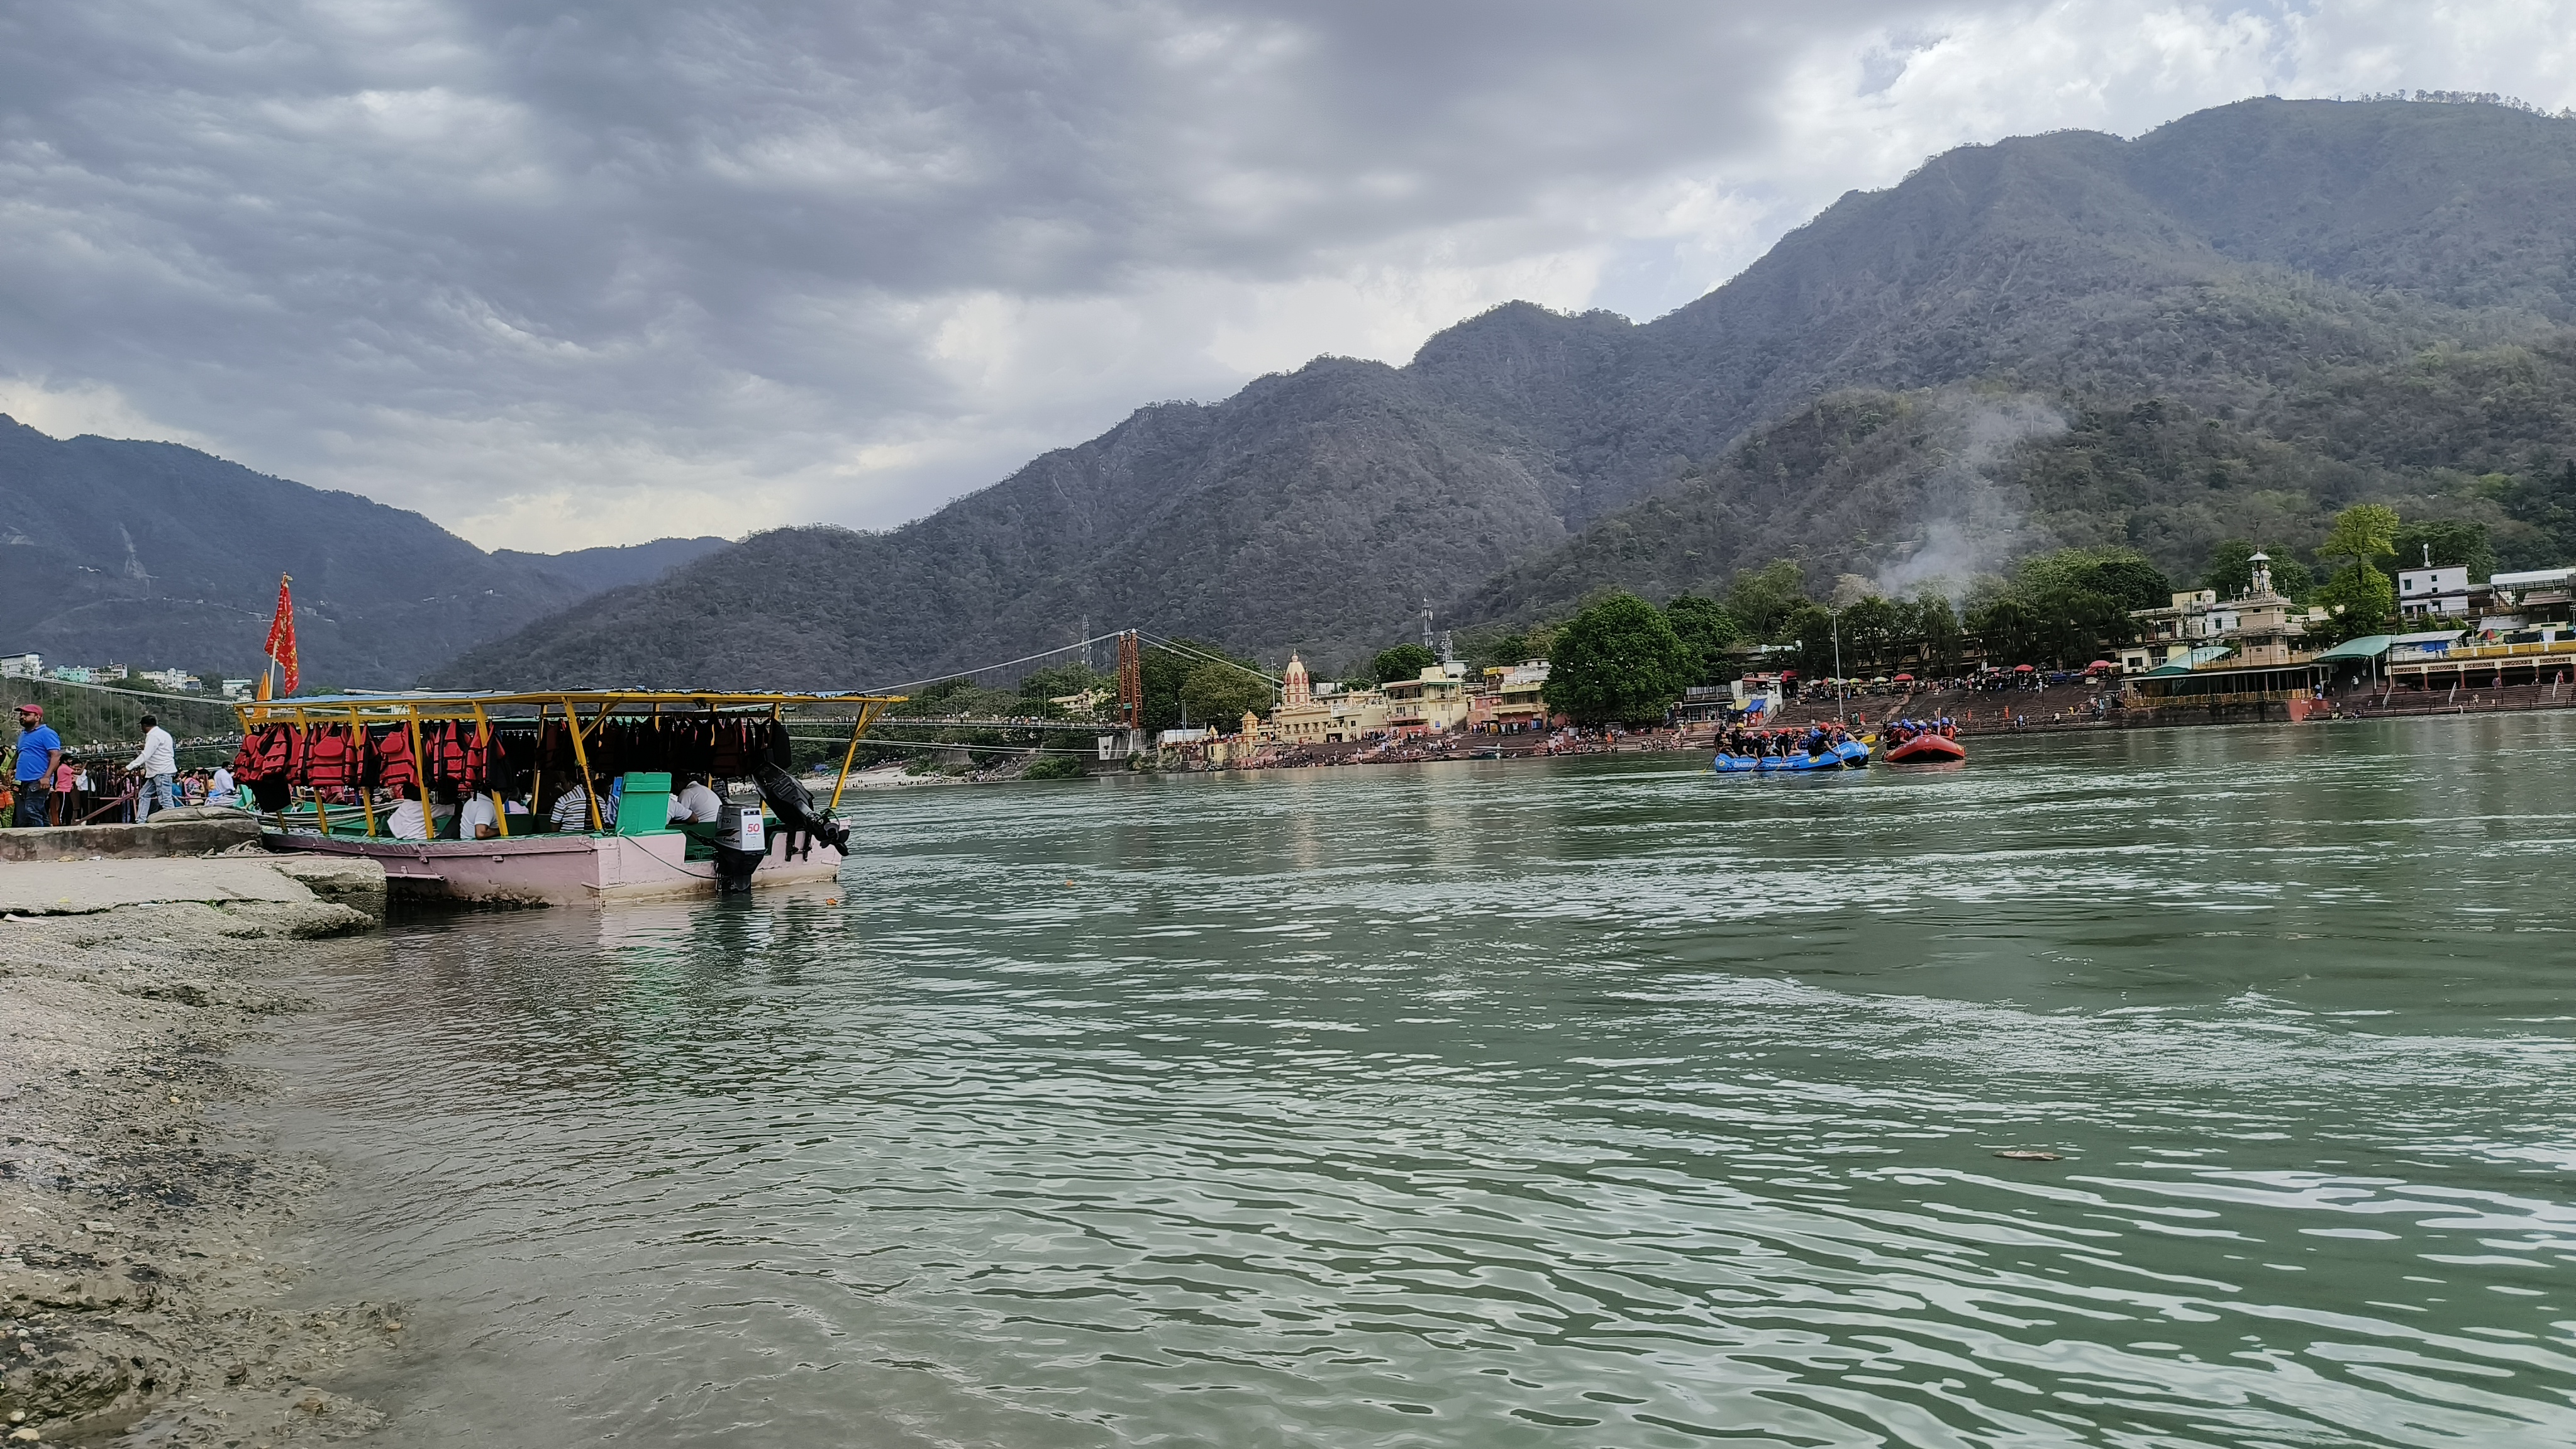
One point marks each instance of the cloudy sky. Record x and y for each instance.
(564, 274)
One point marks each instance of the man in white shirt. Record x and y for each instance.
(156, 762)
(694, 804)
(405, 821)
(219, 789)
(476, 819)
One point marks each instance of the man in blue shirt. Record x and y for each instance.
(39, 751)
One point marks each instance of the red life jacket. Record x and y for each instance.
(458, 754)
(270, 752)
(389, 755)
(331, 758)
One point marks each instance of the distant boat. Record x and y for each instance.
(1926, 748)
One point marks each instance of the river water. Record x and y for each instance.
(1596, 1102)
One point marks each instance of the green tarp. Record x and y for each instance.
(2369, 646)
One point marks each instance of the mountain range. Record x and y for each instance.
(157, 555)
(2229, 326)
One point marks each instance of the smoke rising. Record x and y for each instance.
(1972, 521)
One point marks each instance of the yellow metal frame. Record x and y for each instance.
(487, 710)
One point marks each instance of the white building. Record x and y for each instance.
(22, 666)
(2442, 590)
(177, 679)
(237, 688)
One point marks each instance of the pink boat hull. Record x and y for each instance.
(559, 870)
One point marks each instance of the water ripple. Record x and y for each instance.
(1595, 1103)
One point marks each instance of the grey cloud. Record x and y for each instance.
(464, 252)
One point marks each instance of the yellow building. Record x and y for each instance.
(1435, 702)
(2265, 629)
(1516, 697)
(1307, 717)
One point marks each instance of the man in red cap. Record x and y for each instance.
(39, 751)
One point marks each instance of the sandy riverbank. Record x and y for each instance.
(137, 1293)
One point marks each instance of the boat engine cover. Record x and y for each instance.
(739, 828)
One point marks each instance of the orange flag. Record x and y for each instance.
(281, 632)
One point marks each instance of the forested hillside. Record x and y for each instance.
(152, 554)
(1975, 477)
(2227, 326)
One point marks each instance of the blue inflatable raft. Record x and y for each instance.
(1850, 754)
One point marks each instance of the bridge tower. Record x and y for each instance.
(1131, 682)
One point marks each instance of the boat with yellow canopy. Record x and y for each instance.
(553, 796)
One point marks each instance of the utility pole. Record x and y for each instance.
(1836, 615)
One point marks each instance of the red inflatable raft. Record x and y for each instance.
(1926, 749)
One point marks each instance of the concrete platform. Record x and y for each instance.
(86, 887)
(194, 831)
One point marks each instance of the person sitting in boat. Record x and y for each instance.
(407, 821)
(572, 809)
(478, 818)
(694, 804)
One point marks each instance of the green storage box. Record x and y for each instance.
(644, 808)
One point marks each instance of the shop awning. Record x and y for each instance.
(2206, 654)
(2368, 646)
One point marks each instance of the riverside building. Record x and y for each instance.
(1312, 713)
(1430, 704)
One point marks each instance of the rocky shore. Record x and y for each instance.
(138, 1294)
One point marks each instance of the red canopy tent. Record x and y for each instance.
(1902, 679)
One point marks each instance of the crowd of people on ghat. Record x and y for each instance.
(1814, 739)
(48, 785)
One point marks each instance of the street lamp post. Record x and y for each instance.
(1836, 616)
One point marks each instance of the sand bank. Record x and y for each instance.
(135, 1294)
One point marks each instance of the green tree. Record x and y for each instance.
(1040, 687)
(1167, 674)
(1812, 629)
(1618, 661)
(2545, 501)
(1936, 630)
(2009, 630)
(2358, 600)
(2366, 533)
(1218, 695)
(2448, 543)
(1873, 631)
(1709, 629)
(1764, 600)
(2123, 575)
(1404, 661)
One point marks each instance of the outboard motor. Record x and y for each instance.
(796, 808)
(742, 843)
